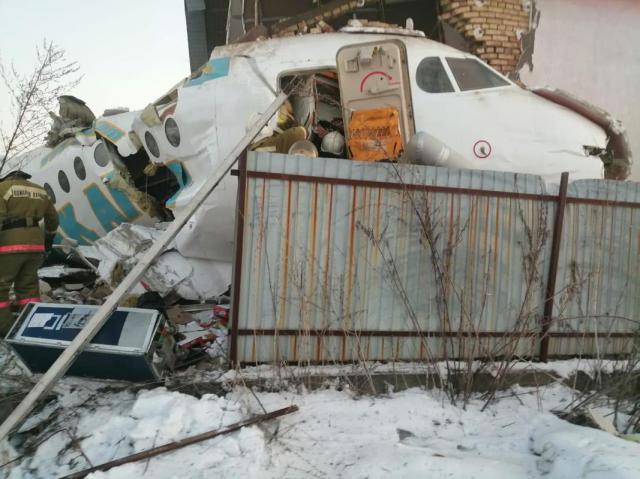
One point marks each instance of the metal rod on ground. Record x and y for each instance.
(553, 268)
(172, 446)
(66, 359)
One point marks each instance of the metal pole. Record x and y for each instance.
(172, 446)
(237, 266)
(256, 13)
(547, 317)
(68, 356)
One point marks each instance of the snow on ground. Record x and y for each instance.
(414, 433)
(564, 369)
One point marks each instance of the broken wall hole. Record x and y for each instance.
(499, 32)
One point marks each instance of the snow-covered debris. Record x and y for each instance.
(415, 433)
(566, 450)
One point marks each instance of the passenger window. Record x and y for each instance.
(432, 77)
(78, 166)
(152, 145)
(470, 74)
(63, 181)
(50, 192)
(101, 155)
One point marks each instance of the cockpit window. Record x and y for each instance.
(432, 77)
(473, 75)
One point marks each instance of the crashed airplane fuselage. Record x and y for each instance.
(139, 166)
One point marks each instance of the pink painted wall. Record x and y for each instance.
(591, 48)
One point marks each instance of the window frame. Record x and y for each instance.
(97, 145)
(52, 194)
(483, 64)
(62, 174)
(447, 72)
(170, 118)
(75, 167)
(147, 135)
(303, 71)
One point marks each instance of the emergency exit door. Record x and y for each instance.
(376, 99)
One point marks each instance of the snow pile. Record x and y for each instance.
(415, 433)
(572, 451)
(158, 417)
(154, 418)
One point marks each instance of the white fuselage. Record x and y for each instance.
(504, 128)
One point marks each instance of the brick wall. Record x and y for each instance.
(492, 27)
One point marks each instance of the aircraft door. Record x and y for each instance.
(376, 99)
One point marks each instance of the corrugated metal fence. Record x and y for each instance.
(597, 298)
(340, 261)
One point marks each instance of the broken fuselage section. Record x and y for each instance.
(482, 119)
(398, 97)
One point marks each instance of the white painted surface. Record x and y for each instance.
(590, 48)
(526, 133)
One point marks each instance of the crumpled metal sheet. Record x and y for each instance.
(115, 128)
(193, 279)
(60, 271)
(619, 158)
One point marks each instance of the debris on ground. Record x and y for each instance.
(334, 434)
(87, 275)
(175, 445)
(190, 278)
(182, 334)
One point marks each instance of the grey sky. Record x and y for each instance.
(130, 51)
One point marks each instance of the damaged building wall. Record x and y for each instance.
(493, 29)
(206, 27)
(590, 48)
(228, 20)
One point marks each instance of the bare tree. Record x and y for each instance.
(32, 96)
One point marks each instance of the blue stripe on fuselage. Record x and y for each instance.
(214, 68)
(109, 131)
(73, 229)
(108, 215)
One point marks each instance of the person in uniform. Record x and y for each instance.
(22, 241)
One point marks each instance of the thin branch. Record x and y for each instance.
(32, 96)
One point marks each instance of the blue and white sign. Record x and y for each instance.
(122, 349)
